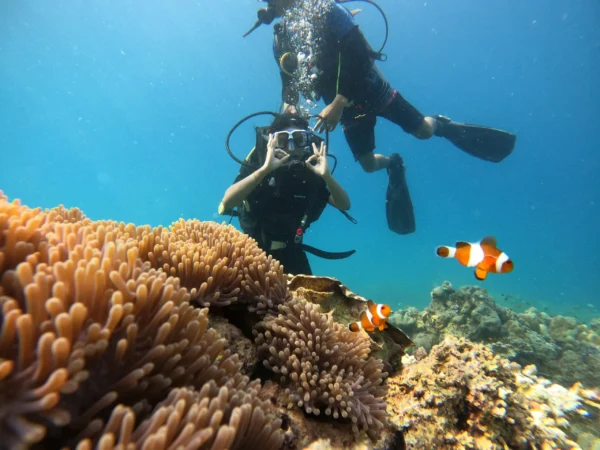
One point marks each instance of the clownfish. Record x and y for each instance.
(483, 255)
(374, 317)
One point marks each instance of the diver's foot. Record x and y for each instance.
(396, 169)
(440, 122)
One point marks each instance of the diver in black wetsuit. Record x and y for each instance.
(284, 189)
(356, 93)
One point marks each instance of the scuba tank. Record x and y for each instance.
(265, 16)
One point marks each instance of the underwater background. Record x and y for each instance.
(122, 109)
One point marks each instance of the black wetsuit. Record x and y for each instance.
(346, 52)
(274, 210)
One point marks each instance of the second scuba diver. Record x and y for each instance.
(356, 93)
(282, 188)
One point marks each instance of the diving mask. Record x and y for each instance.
(296, 144)
(300, 138)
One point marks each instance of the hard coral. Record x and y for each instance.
(324, 366)
(562, 349)
(85, 324)
(461, 396)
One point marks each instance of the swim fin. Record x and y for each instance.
(485, 143)
(398, 205)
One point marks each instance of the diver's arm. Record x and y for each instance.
(331, 114)
(319, 165)
(338, 196)
(238, 192)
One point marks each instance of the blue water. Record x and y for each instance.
(121, 108)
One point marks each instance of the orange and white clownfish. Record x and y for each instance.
(374, 317)
(483, 255)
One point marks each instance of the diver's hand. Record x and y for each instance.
(275, 157)
(331, 114)
(321, 166)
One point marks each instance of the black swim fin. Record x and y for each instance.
(485, 143)
(398, 205)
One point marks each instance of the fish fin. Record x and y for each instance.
(488, 263)
(370, 303)
(489, 240)
(354, 327)
(480, 274)
(383, 326)
(460, 244)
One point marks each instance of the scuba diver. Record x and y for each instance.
(282, 188)
(343, 72)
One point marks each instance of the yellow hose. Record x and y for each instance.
(282, 62)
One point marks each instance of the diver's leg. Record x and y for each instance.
(427, 128)
(301, 262)
(294, 260)
(401, 112)
(398, 204)
(399, 207)
(360, 136)
(489, 144)
(372, 162)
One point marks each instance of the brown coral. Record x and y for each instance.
(325, 367)
(230, 417)
(461, 396)
(345, 307)
(218, 264)
(86, 323)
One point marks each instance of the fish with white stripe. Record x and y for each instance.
(483, 255)
(373, 318)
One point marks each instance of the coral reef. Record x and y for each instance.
(117, 336)
(212, 418)
(219, 265)
(325, 367)
(303, 430)
(89, 327)
(562, 349)
(345, 306)
(462, 396)
(102, 338)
